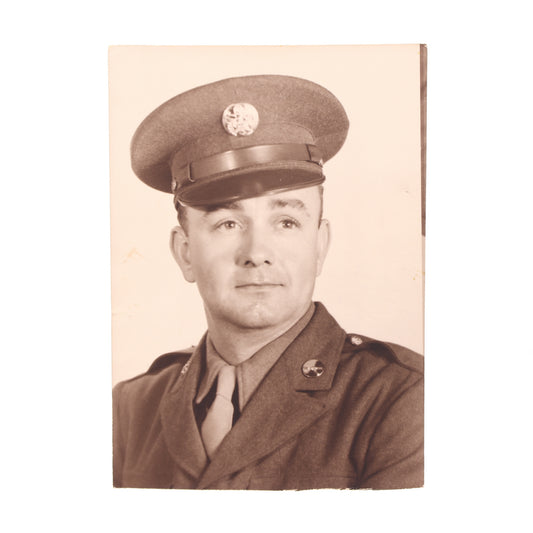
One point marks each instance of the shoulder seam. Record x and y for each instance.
(161, 363)
(166, 360)
(383, 348)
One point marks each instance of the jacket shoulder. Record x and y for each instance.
(391, 352)
(407, 357)
(168, 359)
(165, 365)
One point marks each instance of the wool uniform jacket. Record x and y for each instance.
(357, 425)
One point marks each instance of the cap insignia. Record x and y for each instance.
(240, 119)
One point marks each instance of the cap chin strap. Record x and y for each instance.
(242, 158)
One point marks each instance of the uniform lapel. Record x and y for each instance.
(179, 424)
(281, 408)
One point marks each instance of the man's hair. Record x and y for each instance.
(182, 210)
(182, 216)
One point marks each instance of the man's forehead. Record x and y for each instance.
(301, 199)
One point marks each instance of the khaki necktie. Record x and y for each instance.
(219, 418)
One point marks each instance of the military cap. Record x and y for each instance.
(239, 138)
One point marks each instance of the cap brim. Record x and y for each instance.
(251, 182)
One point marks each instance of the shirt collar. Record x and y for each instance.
(213, 364)
(251, 372)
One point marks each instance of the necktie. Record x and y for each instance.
(219, 417)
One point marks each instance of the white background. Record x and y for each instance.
(55, 394)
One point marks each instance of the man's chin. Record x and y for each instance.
(261, 315)
(258, 319)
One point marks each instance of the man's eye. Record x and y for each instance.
(227, 225)
(289, 223)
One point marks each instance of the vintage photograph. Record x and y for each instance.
(267, 263)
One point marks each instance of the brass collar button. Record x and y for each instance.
(354, 339)
(313, 368)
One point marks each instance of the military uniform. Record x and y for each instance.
(358, 424)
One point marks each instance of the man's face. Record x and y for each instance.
(255, 261)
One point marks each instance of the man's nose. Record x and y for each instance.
(255, 249)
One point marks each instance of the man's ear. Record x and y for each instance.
(322, 244)
(179, 246)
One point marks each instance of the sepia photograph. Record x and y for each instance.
(267, 241)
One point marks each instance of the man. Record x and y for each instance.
(276, 395)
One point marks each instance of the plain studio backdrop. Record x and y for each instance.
(373, 278)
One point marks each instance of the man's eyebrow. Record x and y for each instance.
(218, 207)
(295, 203)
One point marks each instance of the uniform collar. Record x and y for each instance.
(251, 372)
(322, 340)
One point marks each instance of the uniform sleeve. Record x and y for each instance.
(395, 456)
(118, 443)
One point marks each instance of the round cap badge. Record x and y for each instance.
(240, 119)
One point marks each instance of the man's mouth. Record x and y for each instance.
(258, 285)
